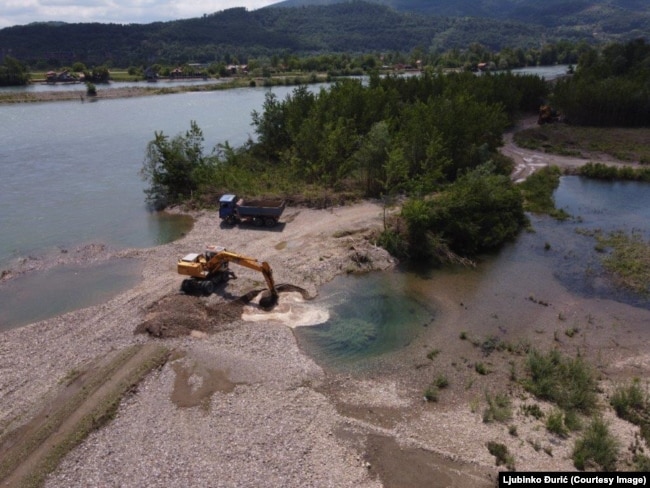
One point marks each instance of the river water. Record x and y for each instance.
(70, 170)
(70, 175)
(555, 260)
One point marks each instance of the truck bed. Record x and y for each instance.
(263, 208)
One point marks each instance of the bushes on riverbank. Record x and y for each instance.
(407, 136)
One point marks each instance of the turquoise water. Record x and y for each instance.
(379, 313)
(370, 315)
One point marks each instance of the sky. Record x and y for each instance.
(21, 12)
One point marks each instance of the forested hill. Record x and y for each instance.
(608, 16)
(351, 27)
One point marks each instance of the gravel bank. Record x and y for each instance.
(241, 405)
(263, 424)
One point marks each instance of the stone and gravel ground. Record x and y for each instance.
(240, 404)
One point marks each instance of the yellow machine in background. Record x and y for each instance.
(210, 268)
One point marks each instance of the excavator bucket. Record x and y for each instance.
(268, 300)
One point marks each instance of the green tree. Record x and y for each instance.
(477, 213)
(174, 168)
(372, 157)
(13, 72)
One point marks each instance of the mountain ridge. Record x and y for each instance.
(342, 27)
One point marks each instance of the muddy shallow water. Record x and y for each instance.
(533, 282)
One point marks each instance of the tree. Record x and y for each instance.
(477, 213)
(13, 73)
(174, 167)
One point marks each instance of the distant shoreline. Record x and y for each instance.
(148, 89)
(81, 95)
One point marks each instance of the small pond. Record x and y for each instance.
(39, 296)
(369, 315)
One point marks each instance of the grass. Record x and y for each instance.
(501, 454)
(481, 369)
(568, 382)
(555, 423)
(596, 447)
(432, 354)
(532, 411)
(431, 394)
(538, 190)
(499, 408)
(629, 260)
(625, 144)
(632, 403)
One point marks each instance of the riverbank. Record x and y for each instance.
(80, 94)
(241, 403)
(104, 92)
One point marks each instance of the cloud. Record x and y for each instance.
(21, 12)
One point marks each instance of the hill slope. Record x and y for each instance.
(609, 15)
(352, 27)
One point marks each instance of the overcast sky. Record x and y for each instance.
(21, 12)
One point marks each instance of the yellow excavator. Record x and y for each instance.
(211, 267)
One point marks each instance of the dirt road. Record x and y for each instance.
(528, 161)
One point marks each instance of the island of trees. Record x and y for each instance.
(430, 140)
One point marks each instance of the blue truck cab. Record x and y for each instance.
(227, 206)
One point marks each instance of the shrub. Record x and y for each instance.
(568, 382)
(441, 381)
(555, 423)
(433, 353)
(597, 446)
(481, 369)
(500, 452)
(631, 403)
(431, 393)
(532, 410)
(499, 408)
(572, 421)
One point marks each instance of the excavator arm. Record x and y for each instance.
(214, 264)
(250, 263)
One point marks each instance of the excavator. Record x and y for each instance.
(211, 267)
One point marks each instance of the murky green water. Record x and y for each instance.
(383, 312)
(370, 315)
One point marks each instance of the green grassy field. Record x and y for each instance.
(629, 145)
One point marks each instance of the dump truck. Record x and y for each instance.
(233, 210)
(207, 269)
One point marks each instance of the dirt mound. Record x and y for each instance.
(179, 315)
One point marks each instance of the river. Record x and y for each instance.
(70, 176)
(70, 170)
